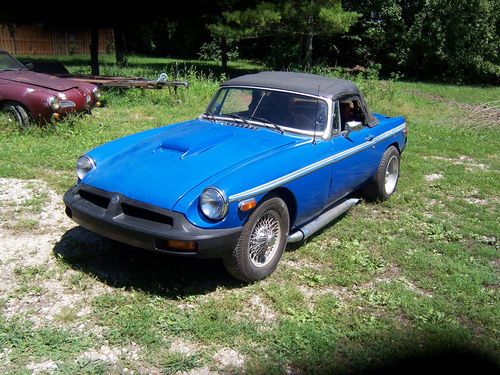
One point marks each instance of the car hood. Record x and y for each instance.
(161, 168)
(38, 79)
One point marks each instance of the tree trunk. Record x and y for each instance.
(309, 37)
(223, 53)
(119, 46)
(94, 51)
(309, 48)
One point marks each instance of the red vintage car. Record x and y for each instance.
(28, 97)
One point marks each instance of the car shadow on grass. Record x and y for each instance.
(455, 359)
(122, 266)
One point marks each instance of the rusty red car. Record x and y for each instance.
(28, 97)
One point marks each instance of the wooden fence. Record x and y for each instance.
(40, 40)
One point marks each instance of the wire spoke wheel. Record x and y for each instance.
(261, 243)
(265, 239)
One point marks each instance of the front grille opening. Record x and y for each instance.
(98, 200)
(142, 213)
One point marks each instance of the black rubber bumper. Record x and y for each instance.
(142, 225)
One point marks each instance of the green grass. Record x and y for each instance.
(415, 275)
(461, 94)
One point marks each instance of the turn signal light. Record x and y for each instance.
(247, 204)
(181, 245)
(97, 104)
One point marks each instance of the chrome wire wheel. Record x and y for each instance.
(265, 239)
(391, 175)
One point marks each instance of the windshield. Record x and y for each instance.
(284, 110)
(7, 62)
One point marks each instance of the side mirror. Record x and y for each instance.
(352, 126)
(30, 65)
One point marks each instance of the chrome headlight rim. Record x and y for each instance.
(84, 165)
(54, 103)
(213, 194)
(96, 91)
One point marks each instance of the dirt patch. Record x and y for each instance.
(260, 310)
(201, 371)
(228, 358)
(44, 367)
(29, 201)
(183, 347)
(27, 260)
(5, 357)
(111, 355)
(393, 274)
(300, 264)
(475, 198)
(339, 292)
(433, 177)
(476, 201)
(343, 294)
(469, 163)
(52, 301)
(495, 264)
(33, 247)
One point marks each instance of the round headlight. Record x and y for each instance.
(54, 103)
(213, 203)
(84, 165)
(97, 92)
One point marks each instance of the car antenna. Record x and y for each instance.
(316, 119)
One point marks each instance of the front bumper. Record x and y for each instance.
(143, 225)
(49, 115)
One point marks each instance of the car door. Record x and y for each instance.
(352, 150)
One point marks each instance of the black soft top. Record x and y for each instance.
(311, 84)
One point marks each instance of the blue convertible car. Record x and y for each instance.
(275, 157)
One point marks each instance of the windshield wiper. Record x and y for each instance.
(238, 117)
(266, 121)
(210, 116)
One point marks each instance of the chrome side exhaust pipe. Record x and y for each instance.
(322, 220)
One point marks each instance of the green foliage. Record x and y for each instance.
(291, 20)
(456, 40)
(212, 51)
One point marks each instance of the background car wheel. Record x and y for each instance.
(383, 184)
(261, 243)
(17, 113)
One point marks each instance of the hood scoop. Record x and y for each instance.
(186, 146)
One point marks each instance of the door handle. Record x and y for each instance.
(369, 138)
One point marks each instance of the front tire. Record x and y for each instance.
(17, 113)
(262, 242)
(384, 183)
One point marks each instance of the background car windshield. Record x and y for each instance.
(294, 111)
(7, 62)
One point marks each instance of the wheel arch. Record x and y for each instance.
(289, 199)
(15, 102)
(395, 144)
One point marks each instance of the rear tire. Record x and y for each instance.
(262, 242)
(17, 113)
(384, 183)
